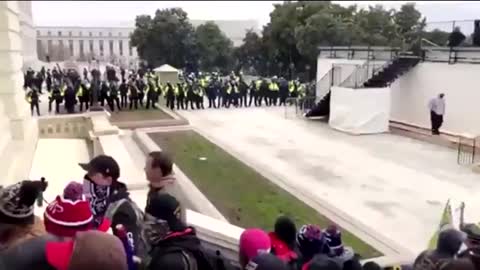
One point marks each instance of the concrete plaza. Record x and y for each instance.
(395, 186)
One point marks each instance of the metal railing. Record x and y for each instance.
(439, 32)
(331, 78)
(466, 151)
(300, 106)
(363, 73)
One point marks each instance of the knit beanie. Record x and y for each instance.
(334, 239)
(92, 250)
(64, 217)
(73, 191)
(310, 241)
(254, 242)
(17, 202)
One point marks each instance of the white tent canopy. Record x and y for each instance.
(165, 68)
(167, 73)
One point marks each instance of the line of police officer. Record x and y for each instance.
(140, 87)
(230, 91)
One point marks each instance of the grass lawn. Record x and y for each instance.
(138, 115)
(242, 195)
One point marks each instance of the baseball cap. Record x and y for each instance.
(266, 261)
(103, 164)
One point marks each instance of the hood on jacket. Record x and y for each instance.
(281, 249)
(449, 241)
(119, 191)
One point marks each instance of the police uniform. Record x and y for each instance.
(33, 98)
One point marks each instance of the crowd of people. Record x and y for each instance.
(96, 225)
(133, 89)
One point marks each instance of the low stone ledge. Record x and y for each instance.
(216, 234)
(101, 124)
(476, 168)
(390, 261)
(151, 123)
(64, 126)
(185, 191)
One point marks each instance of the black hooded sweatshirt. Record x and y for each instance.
(449, 242)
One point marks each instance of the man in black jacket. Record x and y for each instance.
(110, 199)
(174, 246)
(448, 245)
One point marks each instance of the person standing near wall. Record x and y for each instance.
(437, 110)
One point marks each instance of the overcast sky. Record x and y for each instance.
(120, 13)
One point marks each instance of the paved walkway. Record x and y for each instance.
(397, 186)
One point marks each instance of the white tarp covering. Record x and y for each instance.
(360, 111)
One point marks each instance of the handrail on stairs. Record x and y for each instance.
(366, 71)
(331, 76)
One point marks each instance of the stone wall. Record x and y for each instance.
(22, 135)
(28, 34)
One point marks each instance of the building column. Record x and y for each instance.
(12, 95)
(76, 48)
(96, 48)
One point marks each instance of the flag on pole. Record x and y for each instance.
(446, 221)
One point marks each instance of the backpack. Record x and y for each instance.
(205, 259)
(141, 246)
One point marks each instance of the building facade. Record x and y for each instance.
(85, 44)
(28, 35)
(109, 44)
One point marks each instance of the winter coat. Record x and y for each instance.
(179, 251)
(22, 233)
(28, 252)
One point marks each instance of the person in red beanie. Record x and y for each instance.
(70, 213)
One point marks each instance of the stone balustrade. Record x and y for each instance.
(216, 234)
(65, 126)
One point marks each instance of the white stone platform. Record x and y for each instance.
(396, 186)
(57, 160)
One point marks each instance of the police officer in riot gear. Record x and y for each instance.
(33, 98)
(123, 93)
(180, 97)
(55, 96)
(133, 94)
(170, 96)
(113, 97)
